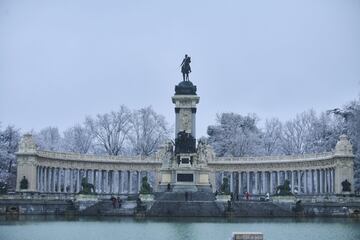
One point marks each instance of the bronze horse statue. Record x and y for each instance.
(185, 67)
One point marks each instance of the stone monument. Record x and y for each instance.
(187, 169)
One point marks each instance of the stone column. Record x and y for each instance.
(45, 179)
(292, 181)
(278, 178)
(331, 180)
(112, 185)
(51, 183)
(119, 183)
(59, 180)
(78, 180)
(317, 176)
(316, 182)
(240, 182)
(95, 179)
(231, 182)
(333, 171)
(307, 182)
(263, 178)
(106, 181)
(139, 181)
(37, 178)
(326, 180)
(110, 181)
(101, 181)
(256, 182)
(124, 175)
(53, 177)
(313, 181)
(299, 181)
(271, 183)
(130, 182)
(71, 180)
(321, 181)
(114, 180)
(50, 179)
(40, 178)
(128, 177)
(248, 181)
(66, 180)
(54, 180)
(310, 181)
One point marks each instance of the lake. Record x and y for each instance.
(60, 228)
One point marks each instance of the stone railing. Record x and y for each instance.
(38, 196)
(97, 158)
(273, 159)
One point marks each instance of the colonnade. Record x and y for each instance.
(67, 180)
(306, 181)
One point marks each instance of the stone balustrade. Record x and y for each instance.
(273, 159)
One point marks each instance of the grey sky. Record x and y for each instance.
(63, 60)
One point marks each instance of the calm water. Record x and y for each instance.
(41, 228)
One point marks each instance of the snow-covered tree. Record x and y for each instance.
(309, 133)
(111, 130)
(351, 116)
(77, 139)
(295, 133)
(323, 133)
(9, 140)
(271, 136)
(49, 139)
(149, 131)
(235, 135)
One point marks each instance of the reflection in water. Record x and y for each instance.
(91, 228)
(181, 231)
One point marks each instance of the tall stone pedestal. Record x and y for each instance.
(185, 173)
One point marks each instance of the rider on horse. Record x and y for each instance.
(185, 67)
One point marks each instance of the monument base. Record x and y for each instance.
(184, 188)
(184, 179)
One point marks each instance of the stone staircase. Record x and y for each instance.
(185, 209)
(105, 208)
(175, 204)
(181, 196)
(260, 209)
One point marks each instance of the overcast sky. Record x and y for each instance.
(63, 60)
